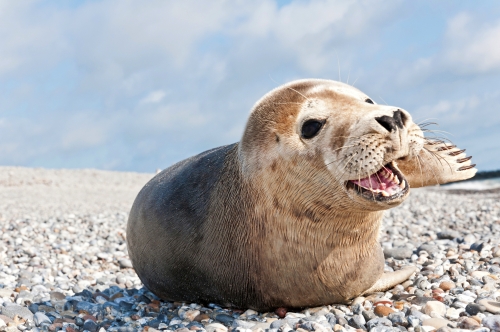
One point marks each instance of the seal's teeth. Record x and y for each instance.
(402, 185)
(385, 193)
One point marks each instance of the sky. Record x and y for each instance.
(138, 85)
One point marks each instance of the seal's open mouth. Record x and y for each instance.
(385, 185)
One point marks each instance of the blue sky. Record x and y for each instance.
(137, 86)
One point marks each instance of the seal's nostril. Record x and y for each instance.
(400, 118)
(387, 122)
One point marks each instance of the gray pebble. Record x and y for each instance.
(473, 309)
(358, 322)
(11, 310)
(125, 263)
(398, 319)
(448, 234)
(430, 248)
(90, 325)
(40, 318)
(398, 253)
(224, 319)
(492, 322)
(414, 321)
(369, 315)
(277, 323)
(379, 321)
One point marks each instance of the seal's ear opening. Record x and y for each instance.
(311, 128)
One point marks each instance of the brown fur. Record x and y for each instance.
(280, 227)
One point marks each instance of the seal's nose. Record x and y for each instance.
(392, 123)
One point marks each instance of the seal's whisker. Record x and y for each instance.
(345, 166)
(339, 159)
(427, 119)
(438, 157)
(355, 81)
(370, 134)
(384, 101)
(344, 147)
(432, 171)
(436, 131)
(298, 92)
(421, 173)
(425, 124)
(437, 140)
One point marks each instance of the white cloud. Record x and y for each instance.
(153, 97)
(472, 45)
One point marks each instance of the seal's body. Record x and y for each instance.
(289, 216)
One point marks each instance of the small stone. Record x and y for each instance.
(478, 246)
(452, 313)
(447, 285)
(473, 308)
(277, 323)
(201, 317)
(469, 238)
(224, 319)
(357, 308)
(242, 324)
(215, 327)
(436, 322)
(421, 300)
(358, 322)
(90, 325)
(190, 315)
(13, 310)
(385, 329)
(465, 298)
(479, 274)
(430, 248)
(379, 321)
(57, 296)
(382, 311)
(6, 292)
(448, 234)
(413, 321)
(40, 318)
(398, 319)
(398, 253)
(125, 264)
(468, 323)
(492, 322)
(436, 307)
(490, 306)
(369, 315)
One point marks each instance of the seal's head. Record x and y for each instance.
(329, 141)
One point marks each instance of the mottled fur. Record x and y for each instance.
(269, 222)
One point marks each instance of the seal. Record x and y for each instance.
(290, 215)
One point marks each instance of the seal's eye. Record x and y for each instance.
(369, 101)
(311, 128)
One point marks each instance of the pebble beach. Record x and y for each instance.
(64, 264)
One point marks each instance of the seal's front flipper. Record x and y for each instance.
(437, 163)
(391, 279)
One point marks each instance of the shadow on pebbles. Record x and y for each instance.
(64, 264)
